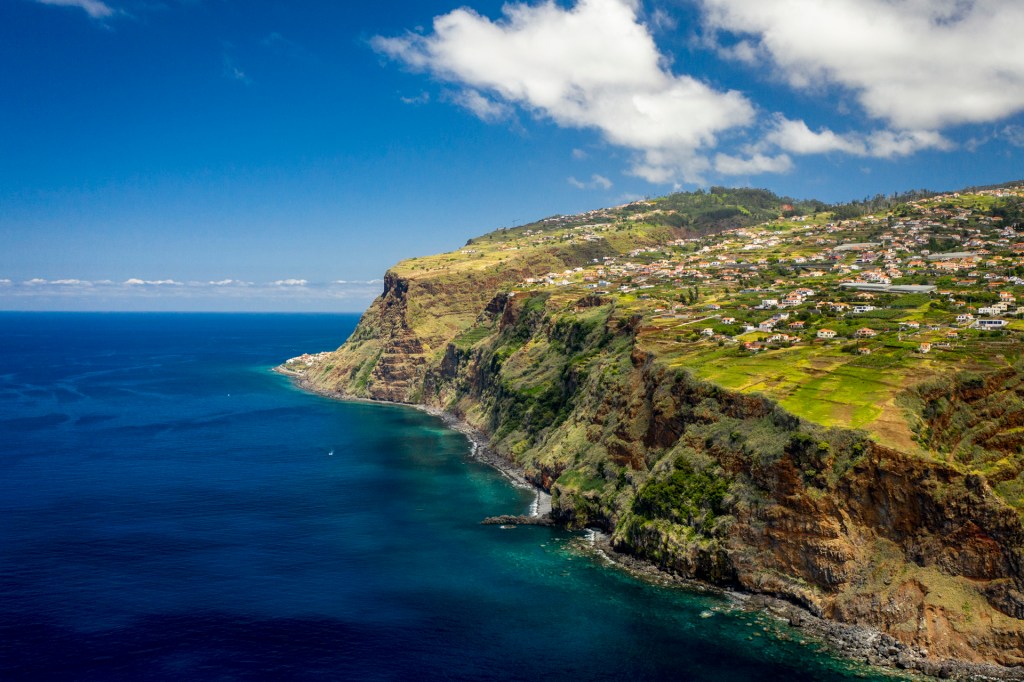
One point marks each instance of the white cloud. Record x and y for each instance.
(593, 66)
(887, 144)
(135, 282)
(94, 8)
(579, 154)
(755, 164)
(169, 286)
(796, 137)
(663, 21)
(422, 98)
(917, 64)
(1014, 134)
(484, 108)
(596, 182)
(170, 294)
(743, 51)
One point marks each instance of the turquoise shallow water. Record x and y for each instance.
(172, 510)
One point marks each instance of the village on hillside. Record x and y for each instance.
(946, 269)
(833, 318)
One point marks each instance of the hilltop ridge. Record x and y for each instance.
(821, 403)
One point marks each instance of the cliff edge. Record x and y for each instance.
(705, 481)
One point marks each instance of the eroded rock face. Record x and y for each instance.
(912, 548)
(823, 518)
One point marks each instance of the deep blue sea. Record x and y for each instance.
(172, 510)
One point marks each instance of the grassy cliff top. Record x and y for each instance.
(833, 318)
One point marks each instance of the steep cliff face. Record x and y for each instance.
(707, 483)
(384, 359)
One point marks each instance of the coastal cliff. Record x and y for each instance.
(706, 482)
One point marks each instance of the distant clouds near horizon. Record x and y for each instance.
(187, 152)
(75, 294)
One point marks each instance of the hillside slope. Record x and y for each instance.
(641, 432)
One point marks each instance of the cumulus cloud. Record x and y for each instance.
(755, 164)
(591, 66)
(289, 283)
(797, 138)
(916, 64)
(5, 282)
(596, 182)
(94, 8)
(743, 51)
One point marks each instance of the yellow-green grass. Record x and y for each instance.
(819, 383)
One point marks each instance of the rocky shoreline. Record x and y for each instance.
(853, 642)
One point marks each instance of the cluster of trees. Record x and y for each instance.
(880, 203)
(690, 296)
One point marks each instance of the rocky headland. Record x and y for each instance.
(898, 556)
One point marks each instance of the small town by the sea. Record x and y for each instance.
(511, 339)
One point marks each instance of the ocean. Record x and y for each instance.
(170, 509)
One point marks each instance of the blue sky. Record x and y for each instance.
(247, 155)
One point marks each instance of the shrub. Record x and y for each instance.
(685, 496)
